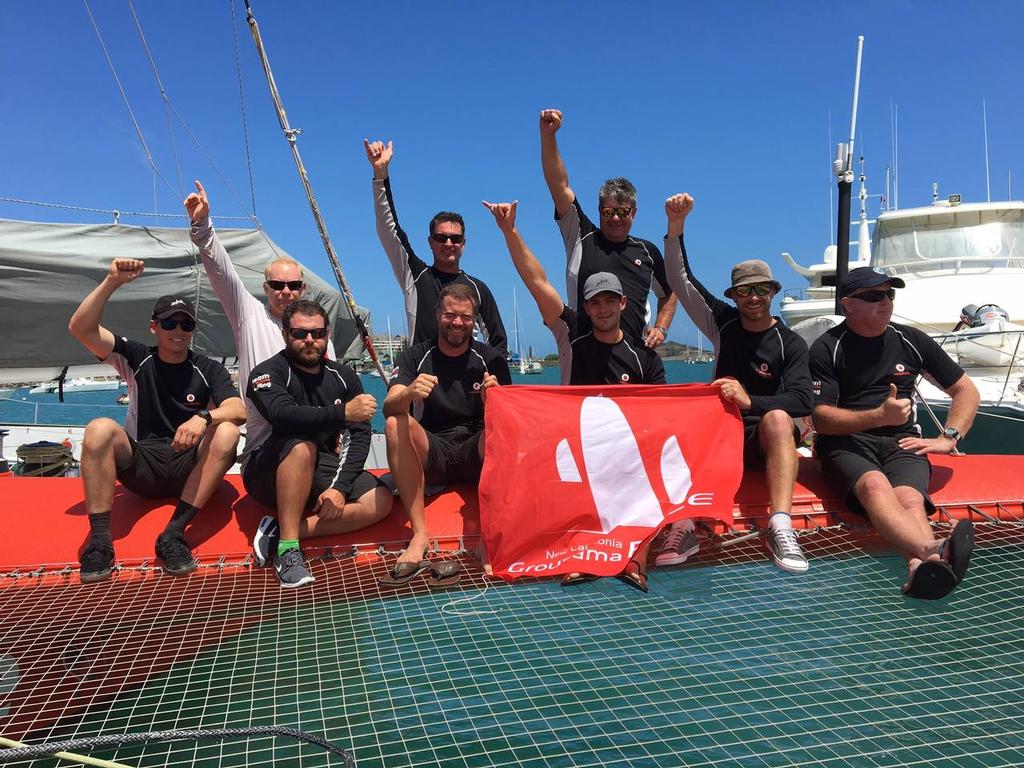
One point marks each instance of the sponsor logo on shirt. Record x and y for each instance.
(261, 382)
(624, 377)
(762, 371)
(901, 370)
(816, 387)
(190, 398)
(337, 401)
(638, 262)
(476, 386)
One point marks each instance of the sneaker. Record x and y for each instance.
(786, 552)
(176, 554)
(677, 545)
(291, 569)
(97, 563)
(264, 543)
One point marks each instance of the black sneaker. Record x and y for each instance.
(264, 543)
(97, 563)
(291, 569)
(176, 554)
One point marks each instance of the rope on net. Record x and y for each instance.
(124, 739)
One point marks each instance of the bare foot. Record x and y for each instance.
(416, 550)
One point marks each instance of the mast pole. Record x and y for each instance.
(291, 134)
(842, 167)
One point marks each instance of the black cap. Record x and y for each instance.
(867, 277)
(172, 305)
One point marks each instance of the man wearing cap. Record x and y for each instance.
(256, 327)
(600, 355)
(421, 284)
(180, 433)
(761, 367)
(609, 248)
(871, 450)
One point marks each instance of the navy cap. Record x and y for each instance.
(172, 305)
(867, 277)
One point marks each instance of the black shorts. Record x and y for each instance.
(454, 457)
(845, 459)
(157, 471)
(753, 453)
(259, 473)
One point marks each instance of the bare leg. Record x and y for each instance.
(372, 506)
(407, 455)
(294, 481)
(216, 454)
(105, 447)
(775, 432)
(899, 516)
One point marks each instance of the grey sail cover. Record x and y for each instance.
(47, 269)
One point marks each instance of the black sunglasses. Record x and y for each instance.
(279, 285)
(441, 238)
(873, 297)
(301, 333)
(169, 324)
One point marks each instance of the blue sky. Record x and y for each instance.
(728, 101)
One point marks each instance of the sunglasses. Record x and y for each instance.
(760, 289)
(441, 238)
(301, 333)
(622, 213)
(169, 324)
(873, 297)
(279, 285)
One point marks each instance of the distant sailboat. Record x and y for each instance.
(526, 365)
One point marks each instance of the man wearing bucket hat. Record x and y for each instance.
(180, 433)
(761, 367)
(863, 373)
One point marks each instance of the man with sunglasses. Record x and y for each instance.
(421, 283)
(180, 433)
(609, 248)
(871, 449)
(314, 457)
(761, 368)
(435, 415)
(256, 327)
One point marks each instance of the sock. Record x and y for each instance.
(99, 528)
(183, 513)
(781, 521)
(285, 544)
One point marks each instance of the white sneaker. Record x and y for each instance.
(786, 552)
(677, 545)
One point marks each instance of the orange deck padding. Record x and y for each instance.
(45, 522)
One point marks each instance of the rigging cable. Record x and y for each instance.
(241, 100)
(291, 134)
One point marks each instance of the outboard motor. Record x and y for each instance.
(973, 316)
(986, 336)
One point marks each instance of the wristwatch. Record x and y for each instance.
(664, 331)
(953, 434)
(205, 414)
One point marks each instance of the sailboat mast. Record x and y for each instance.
(291, 134)
(842, 167)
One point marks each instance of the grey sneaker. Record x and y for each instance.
(786, 552)
(677, 545)
(291, 569)
(264, 543)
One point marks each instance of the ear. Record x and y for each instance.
(152, 327)
(622, 303)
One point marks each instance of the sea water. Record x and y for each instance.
(19, 407)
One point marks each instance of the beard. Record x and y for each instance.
(305, 357)
(456, 336)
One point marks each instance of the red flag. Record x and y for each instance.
(575, 478)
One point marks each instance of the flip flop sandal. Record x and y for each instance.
(932, 580)
(572, 579)
(402, 573)
(634, 576)
(445, 574)
(961, 546)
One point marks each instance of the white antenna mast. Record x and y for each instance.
(984, 120)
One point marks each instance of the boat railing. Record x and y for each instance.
(922, 263)
(31, 412)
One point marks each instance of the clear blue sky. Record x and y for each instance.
(729, 101)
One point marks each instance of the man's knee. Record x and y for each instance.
(100, 433)
(776, 429)
(223, 439)
(871, 485)
(302, 452)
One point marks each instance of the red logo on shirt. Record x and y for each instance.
(901, 370)
(190, 398)
(762, 371)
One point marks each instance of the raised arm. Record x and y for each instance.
(85, 323)
(551, 161)
(404, 262)
(530, 270)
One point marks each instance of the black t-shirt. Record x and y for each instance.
(163, 396)
(455, 401)
(585, 360)
(637, 263)
(854, 372)
(312, 406)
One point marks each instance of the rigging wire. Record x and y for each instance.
(116, 213)
(241, 101)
